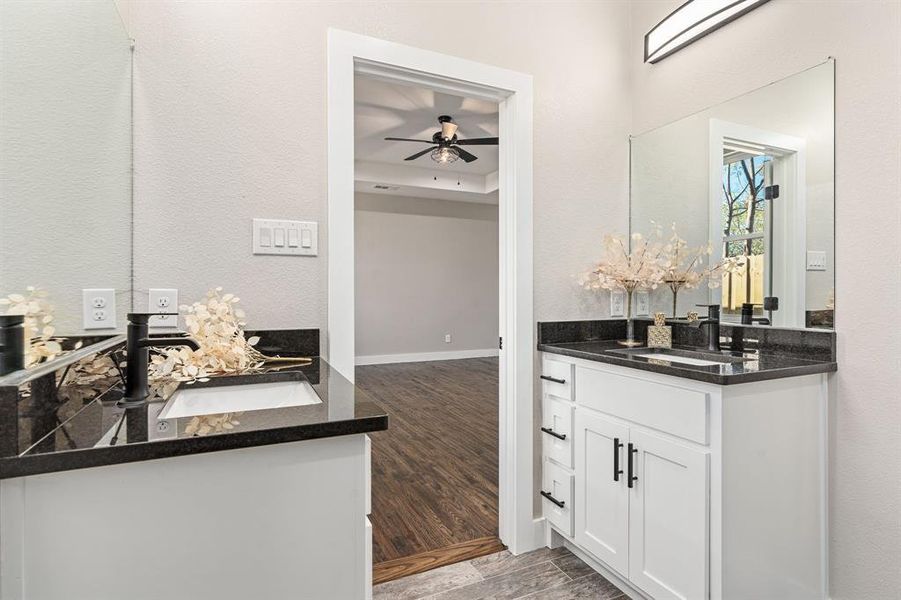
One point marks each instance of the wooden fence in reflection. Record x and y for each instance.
(736, 285)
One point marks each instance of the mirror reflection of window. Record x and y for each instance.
(745, 220)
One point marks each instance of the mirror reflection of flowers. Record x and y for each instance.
(683, 265)
(629, 267)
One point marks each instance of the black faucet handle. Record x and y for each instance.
(12, 320)
(144, 318)
(713, 310)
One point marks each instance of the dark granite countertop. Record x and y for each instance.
(758, 353)
(754, 367)
(74, 430)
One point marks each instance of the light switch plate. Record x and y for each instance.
(163, 300)
(276, 236)
(816, 260)
(98, 308)
(617, 303)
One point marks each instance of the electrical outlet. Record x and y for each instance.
(447, 338)
(617, 303)
(642, 304)
(98, 308)
(163, 300)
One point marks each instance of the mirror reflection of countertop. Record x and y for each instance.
(80, 430)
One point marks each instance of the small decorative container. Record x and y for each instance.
(660, 335)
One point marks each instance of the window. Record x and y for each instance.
(745, 225)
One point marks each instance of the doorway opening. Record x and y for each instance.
(758, 221)
(351, 54)
(426, 319)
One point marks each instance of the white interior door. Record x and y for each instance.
(602, 499)
(668, 539)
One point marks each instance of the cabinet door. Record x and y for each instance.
(668, 535)
(602, 499)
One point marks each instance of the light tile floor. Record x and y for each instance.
(543, 573)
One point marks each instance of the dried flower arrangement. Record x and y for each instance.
(629, 270)
(217, 325)
(41, 344)
(683, 266)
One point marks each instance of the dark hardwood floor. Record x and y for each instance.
(434, 471)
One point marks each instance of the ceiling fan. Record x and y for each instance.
(447, 146)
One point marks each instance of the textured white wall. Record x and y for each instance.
(65, 166)
(776, 40)
(230, 123)
(424, 268)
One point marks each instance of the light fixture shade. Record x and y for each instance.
(691, 21)
(444, 155)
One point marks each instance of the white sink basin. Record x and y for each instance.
(680, 359)
(196, 400)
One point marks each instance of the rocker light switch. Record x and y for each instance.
(276, 236)
(816, 260)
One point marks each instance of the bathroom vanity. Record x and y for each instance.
(684, 480)
(106, 502)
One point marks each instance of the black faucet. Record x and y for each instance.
(137, 348)
(12, 343)
(712, 321)
(747, 315)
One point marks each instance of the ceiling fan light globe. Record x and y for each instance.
(444, 155)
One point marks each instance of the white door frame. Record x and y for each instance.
(350, 53)
(788, 215)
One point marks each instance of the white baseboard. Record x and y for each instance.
(384, 359)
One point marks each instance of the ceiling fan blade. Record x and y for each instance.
(448, 129)
(418, 154)
(478, 142)
(394, 139)
(466, 155)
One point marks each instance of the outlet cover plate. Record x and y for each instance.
(163, 300)
(617, 303)
(98, 308)
(642, 304)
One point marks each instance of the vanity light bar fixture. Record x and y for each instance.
(692, 21)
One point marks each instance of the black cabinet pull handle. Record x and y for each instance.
(554, 379)
(616, 470)
(549, 431)
(631, 477)
(547, 495)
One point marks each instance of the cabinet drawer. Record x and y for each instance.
(672, 409)
(557, 430)
(557, 490)
(556, 378)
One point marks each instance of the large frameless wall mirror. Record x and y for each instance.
(753, 178)
(65, 169)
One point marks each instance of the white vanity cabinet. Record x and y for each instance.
(683, 489)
